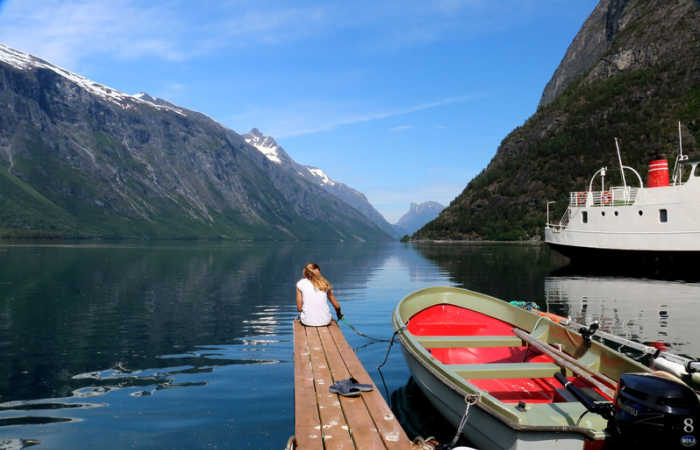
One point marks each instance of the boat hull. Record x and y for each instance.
(458, 342)
(677, 263)
(482, 429)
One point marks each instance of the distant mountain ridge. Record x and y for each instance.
(269, 147)
(418, 215)
(632, 72)
(80, 159)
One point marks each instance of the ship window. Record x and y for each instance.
(617, 213)
(640, 212)
(697, 170)
(584, 216)
(602, 213)
(663, 216)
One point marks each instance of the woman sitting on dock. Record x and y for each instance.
(313, 293)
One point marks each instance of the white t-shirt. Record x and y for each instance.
(314, 311)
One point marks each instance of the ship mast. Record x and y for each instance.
(677, 169)
(622, 169)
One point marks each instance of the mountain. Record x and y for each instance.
(79, 159)
(268, 147)
(418, 215)
(632, 71)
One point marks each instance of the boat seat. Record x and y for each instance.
(504, 370)
(469, 341)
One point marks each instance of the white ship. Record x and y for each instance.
(660, 219)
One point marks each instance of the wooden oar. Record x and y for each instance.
(688, 365)
(563, 360)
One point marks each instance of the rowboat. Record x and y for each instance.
(524, 381)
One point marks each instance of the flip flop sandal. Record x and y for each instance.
(344, 389)
(360, 386)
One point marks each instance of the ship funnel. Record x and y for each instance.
(658, 172)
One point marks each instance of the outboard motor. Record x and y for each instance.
(654, 411)
(651, 411)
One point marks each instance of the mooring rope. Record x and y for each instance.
(359, 333)
(469, 399)
(391, 342)
(386, 357)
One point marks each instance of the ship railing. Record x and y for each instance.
(615, 196)
(563, 222)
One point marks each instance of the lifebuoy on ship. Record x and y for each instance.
(580, 198)
(607, 198)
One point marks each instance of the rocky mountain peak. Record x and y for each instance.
(418, 215)
(357, 200)
(266, 145)
(144, 96)
(269, 147)
(255, 133)
(426, 206)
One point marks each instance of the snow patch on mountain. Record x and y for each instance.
(320, 174)
(265, 144)
(25, 62)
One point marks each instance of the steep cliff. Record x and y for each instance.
(633, 71)
(78, 159)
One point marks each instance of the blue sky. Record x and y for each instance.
(405, 101)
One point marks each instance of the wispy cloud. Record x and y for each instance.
(66, 32)
(371, 116)
(401, 128)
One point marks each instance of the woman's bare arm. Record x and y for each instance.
(300, 300)
(331, 297)
(336, 305)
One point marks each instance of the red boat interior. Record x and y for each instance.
(450, 320)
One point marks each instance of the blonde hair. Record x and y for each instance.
(318, 281)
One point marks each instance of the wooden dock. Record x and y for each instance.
(324, 420)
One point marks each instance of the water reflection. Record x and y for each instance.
(104, 307)
(507, 271)
(637, 309)
(114, 327)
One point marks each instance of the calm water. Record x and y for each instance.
(190, 345)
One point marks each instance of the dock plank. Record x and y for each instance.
(329, 421)
(390, 430)
(334, 429)
(359, 418)
(307, 422)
